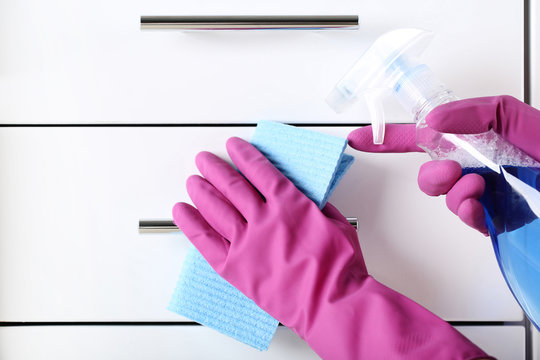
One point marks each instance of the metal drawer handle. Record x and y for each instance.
(302, 22)
(167, 226)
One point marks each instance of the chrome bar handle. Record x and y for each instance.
(168, 226)
(249, 22)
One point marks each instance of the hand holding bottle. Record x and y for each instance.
(515, 121)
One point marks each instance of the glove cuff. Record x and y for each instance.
(375, 322)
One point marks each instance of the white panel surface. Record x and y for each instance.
(72, 197)
(194, 342)
(504, 343)
(66, 61)
(141, 342)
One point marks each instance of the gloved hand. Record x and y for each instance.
(304, 266)
(515, 121)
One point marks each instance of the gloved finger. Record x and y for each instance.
(213, 247)
(516, 121)
(469, 186)
(229, 182)
(438, 176)
(258, 170)
(471, 213)
(398, 138)
(215, 208)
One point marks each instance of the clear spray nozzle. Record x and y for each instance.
(386, 67)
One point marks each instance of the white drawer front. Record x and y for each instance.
(194, 342)
(87, 61)
(71, 199)
(502, 342)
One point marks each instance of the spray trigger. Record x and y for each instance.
(385, 68)
(376, 113)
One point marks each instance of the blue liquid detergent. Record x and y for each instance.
(515, 233)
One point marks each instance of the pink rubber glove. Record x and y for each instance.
(515, 121)
(304, 266)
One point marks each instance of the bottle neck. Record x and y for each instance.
(419, 91)
(425, 107)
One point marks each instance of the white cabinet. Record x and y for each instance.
(71, 197)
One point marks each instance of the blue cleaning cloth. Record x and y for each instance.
(205, 297)
(315, 163)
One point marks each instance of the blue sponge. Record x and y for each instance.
(315, 163)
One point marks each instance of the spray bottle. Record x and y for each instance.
(511, 200)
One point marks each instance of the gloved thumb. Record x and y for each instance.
(514, 120)
(505, 114)
(398, 138)
(473, 116)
